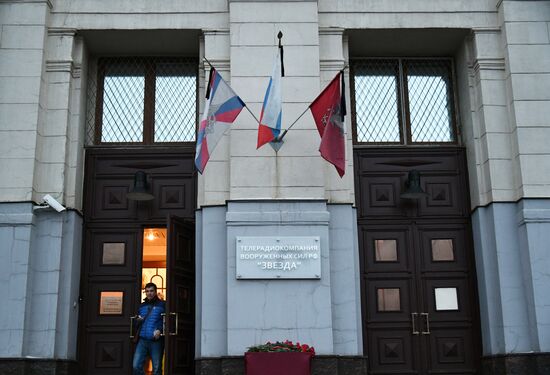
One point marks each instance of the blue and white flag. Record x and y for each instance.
(270, 118)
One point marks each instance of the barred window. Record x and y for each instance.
(142, 100)
(404, 101)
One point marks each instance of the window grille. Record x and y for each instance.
(404, 101)
(377, 101)
(430, 101)
(141, 100)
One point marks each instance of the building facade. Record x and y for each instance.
(453, 281)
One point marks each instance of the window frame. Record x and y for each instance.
(405, 132)
(149, 63)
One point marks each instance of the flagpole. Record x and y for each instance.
(249, 111)
(205, 59)
(281, 136)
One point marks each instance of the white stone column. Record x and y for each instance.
(526, 43)
(23, 31)
(22, 36)
(297, 171)
(333, 49)
(213, 185)
(53, 122)
(526, 40)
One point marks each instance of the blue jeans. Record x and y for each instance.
(151, 348)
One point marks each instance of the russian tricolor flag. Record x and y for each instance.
(221, 109)
(270, 118)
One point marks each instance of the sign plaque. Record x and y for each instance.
(278, 257)
(113, 253)
(110, 303)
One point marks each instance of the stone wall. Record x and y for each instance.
(41, 269)
(235, 314)
(502, 72)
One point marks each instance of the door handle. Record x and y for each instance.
(413, 319)
(163, 324)
(132, 326)
(427, 331)
(175, 333)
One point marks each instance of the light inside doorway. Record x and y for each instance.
(154, 268)
(154, 260)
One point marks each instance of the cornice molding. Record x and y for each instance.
(486, 30)
(47, 2)
(331, 31)
(332, 65)
(533, 215)
(272, 1)
(488, 63)
(215, 32)
(64, 66)
(76, 71)
(61, 31)
(221, 65)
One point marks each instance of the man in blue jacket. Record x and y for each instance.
(150, 343)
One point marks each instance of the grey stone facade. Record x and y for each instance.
(41, 268)
(501, 50)
(235, 313)
(510, 243)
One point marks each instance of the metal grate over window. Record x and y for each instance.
(404, 101)
(141, 100)
(377, 101)
(430, 101)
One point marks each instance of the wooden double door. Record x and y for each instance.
(420, 312)
(112, 262)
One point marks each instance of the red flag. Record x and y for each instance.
(328, 111)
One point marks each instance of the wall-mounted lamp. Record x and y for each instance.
(139, 191)
(413, 190)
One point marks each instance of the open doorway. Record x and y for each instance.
(113, 249)
(154, 270)
(154, 260)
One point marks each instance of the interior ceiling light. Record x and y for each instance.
(150, 235)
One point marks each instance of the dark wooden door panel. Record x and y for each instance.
(385, 249)
(450, 351)
(418, 289)
(445, 196)
(180, 351)
(110, 295)
(392, 351)
(447, 299)
(444, 248)
(112, 251)
(390, 300)
(380, 196)
(110, 352)
(110, 176)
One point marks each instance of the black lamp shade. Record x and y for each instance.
(140, 190)
(413, 190)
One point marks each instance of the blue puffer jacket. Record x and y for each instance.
(154, 320)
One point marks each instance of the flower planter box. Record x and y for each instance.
(278, 363)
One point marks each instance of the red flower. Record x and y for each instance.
(286, 346)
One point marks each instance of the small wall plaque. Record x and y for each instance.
(110, 303)
(113, 253)
(278, 258)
